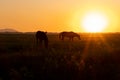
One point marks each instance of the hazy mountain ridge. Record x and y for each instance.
(7, 30)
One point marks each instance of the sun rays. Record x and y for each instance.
(99, 42)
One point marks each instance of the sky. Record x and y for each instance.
(56, 15)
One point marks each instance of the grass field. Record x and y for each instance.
(94, 57)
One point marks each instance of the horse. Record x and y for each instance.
(69, 35)
(42, 37)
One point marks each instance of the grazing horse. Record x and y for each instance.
(70, 35)
(40, 37)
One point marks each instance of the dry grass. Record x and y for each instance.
(95, 57)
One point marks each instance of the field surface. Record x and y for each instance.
(95, 57)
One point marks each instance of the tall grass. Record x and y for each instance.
(94, 57)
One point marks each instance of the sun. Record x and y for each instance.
(94, 22)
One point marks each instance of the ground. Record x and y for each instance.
(94, 57)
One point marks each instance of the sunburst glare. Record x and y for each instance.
(94, 22)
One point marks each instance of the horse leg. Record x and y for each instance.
(37, 41)
(72, 38)
(62, 38)
(46, 43)
(40, 43)
(69, 38)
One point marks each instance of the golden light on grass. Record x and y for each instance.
(94, 22)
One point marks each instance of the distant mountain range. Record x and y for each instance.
(7, 30)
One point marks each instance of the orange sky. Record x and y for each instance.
(55, 15)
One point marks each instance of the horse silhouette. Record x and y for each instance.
(42, 37)
(69, 35)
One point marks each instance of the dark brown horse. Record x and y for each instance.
(69, 35)
(42, 37)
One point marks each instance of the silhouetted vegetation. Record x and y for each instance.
(94, 57)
